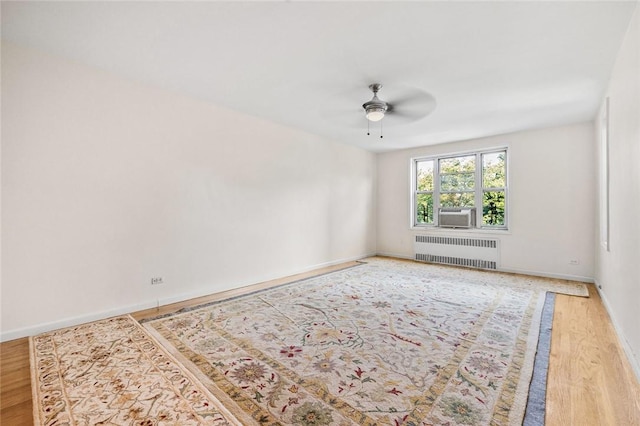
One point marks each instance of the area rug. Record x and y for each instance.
(385, 343)
(112, 372)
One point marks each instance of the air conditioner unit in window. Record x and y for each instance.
(457, 217)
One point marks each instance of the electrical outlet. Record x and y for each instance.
(574, 262)
(156, 280)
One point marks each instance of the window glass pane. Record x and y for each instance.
(424, 208)
(458, 164)
(457, 199)
(493, 208)
(458, 173)
(457, 182)
(493, 170)
(424, 177)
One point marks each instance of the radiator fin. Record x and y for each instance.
(458, 261)
(456, 241)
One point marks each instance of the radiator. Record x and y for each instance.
(472, 252)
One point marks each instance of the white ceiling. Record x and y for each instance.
(492, 67)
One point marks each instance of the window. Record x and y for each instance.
(472, 180)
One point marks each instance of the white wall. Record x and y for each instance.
(107, 183)
(618, 270)
(551, 200)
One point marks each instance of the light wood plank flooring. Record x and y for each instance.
(590, 380)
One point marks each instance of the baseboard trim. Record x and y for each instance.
(69, 322)
(514, 270)
(72, 321)
(633, 361)
(206, 292)
(396, 255)
(579, 278)
(82, 319)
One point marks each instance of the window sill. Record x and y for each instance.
(460, 231)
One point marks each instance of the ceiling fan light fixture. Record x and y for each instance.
(375, 108)
(375, 113)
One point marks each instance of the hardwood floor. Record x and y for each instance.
(15, 380)
(590, 380)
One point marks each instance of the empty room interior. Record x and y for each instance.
(320, 213)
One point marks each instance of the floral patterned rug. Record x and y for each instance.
(112, 372)
(385, 343)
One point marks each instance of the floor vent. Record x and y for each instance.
(479, 253)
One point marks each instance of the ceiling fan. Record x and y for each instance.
(408, 105)
(400, 104)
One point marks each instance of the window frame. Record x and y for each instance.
(479, 189)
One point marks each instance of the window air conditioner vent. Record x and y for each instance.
(457, 218)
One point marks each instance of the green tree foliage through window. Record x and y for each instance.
(457, 181)
(494, 182)
(424, 212)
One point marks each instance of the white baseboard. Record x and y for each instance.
(589, 280)
(514, 270)
(69, 322)
(633, 360)
(72, 321)
(396, 255)
(206, 292)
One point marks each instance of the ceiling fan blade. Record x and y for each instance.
(406, 114)
(413, 106)
(348, 117)
(409, 98)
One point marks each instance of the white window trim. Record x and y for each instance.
(503, 229)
